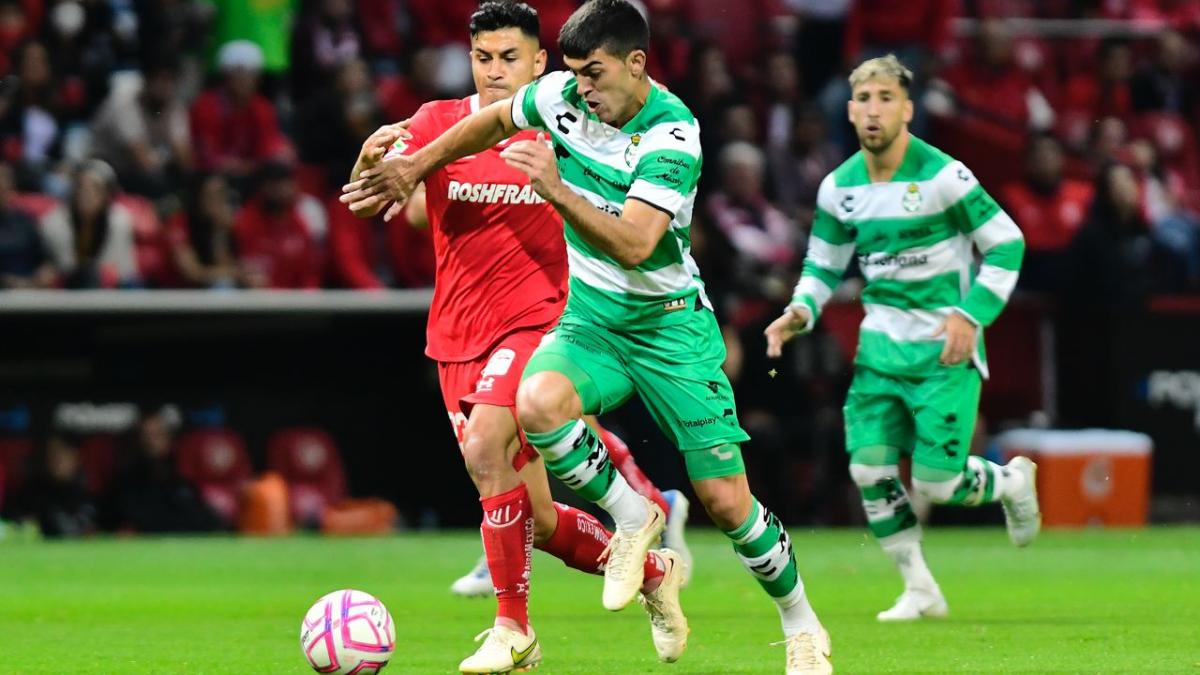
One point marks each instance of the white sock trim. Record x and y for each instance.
(560, 449)
(628, 509)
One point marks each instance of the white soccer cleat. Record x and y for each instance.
(672, 537)
(504, 651)
(668, 626)
(916, 603)
(475, 584)
(809, 653)
(1022, 516)
(625, 557)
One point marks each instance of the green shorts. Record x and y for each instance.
(676, 370)
(931, 418)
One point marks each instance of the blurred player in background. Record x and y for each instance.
(501, 284)
(914, 216)
(623, 173)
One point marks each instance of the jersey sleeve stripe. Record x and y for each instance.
(829, 256)
(652, 205)
(999, 229)
(664, 199)
(974, 210)
(829, 228)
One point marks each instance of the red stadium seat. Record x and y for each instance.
(98, 458)
(215, 461)
(152, 262)
(308, 459)
(14, 459)
(35, 203)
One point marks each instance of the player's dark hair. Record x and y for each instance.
(614, 25)
(500, 14)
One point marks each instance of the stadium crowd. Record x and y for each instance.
(199, 144)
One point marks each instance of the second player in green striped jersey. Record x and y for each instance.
(914, 236)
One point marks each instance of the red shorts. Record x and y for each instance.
(491, 379)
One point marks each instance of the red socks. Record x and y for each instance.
(579, 540)
(619, 455)
(507, 531)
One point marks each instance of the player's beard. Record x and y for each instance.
(880, 143)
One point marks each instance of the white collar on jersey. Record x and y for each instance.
(474, 103)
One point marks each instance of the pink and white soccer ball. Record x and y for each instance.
(348, 632)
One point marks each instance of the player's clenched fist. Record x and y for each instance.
(378, 143)
(536, 159)
(794, 321)
(393, 180)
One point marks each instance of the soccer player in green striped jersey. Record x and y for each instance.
(914, 217)
(623, 171)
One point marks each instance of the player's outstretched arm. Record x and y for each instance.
(629, 238)
(397, 178)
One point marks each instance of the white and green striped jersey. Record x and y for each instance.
(654, 158)
(914, 238)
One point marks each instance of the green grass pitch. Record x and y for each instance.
(1079, 602)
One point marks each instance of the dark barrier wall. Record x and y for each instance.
(1138, 370)
(362, 376)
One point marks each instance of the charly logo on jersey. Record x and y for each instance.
(634, 140)
(912, 198)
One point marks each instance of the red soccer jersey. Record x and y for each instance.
(501, 256)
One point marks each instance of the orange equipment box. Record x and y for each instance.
(1089, 476)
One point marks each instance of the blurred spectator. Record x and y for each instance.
(1090, 95)
(324, 39)
(30, 116)
(176, 27)
(267, 25)
(783, 95)
(200, 239)
(670, 48)
(234, 126)
(441, 22)
(401, 96)
(24, 261)
(88, 41)
(331, 127)
(1049, 209)
(744, 31)
(387, 31)
(991, 86)
(15, 27)
(1172, 225)
(91, 237)
(917, 32)
(56, 495)
(279, 232)
(1163, 84)
(765, 241)
(1108, 136)
(142, 131)
(709, 93)
(1110, 262)
(739, 123)
(820, 39)
(149, 495)
(800, 163)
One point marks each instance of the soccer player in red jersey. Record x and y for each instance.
(501, 284)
